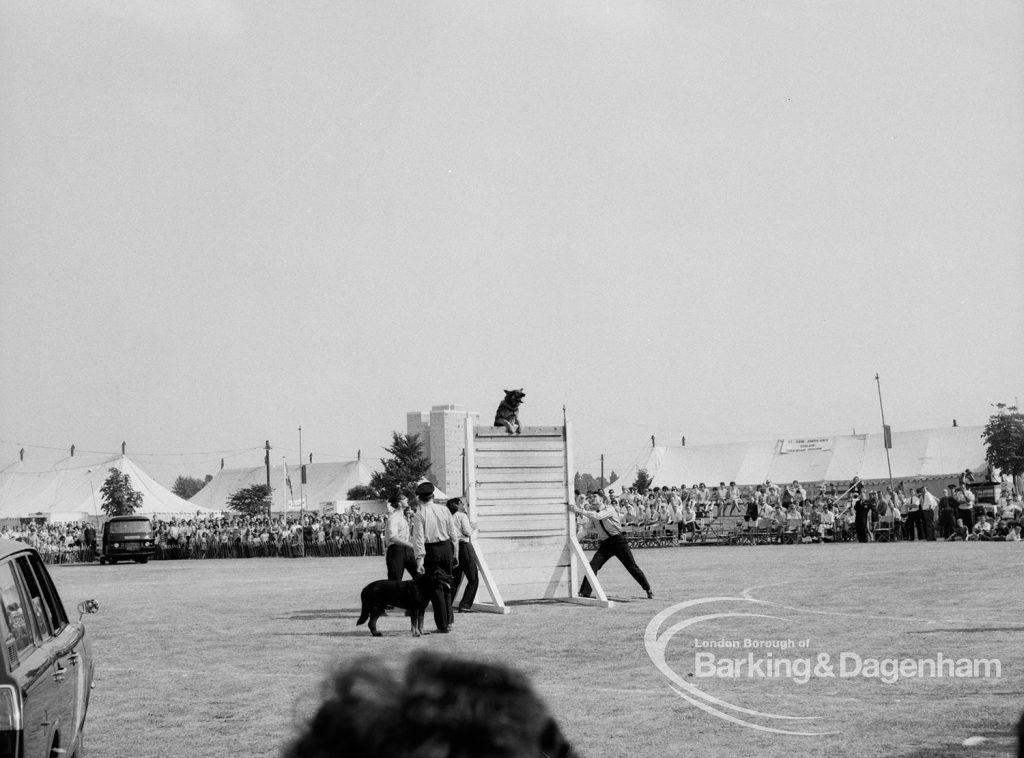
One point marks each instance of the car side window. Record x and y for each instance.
(36, 600)
(14, 610)
(52, 605)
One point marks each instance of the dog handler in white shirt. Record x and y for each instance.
(613, 542)
(435, 545)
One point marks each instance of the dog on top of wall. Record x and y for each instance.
(412, 596)
(508, 412)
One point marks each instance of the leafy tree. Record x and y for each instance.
(1004, 437)
(119, 497)
(253, 500)
(406, 466)
(643, 481)
(585, 483)
(589, 483)
(361, 492)
(612, 478)
(186, 486)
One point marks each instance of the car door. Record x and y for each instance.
(60, 641)
(73, 655)
(30, 663)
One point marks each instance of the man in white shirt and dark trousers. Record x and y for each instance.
(398, 554)
(613, 542)
(435, 544)
(467, 558)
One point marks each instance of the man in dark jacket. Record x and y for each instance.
(947, 513)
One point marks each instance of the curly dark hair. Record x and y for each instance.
(443, 708)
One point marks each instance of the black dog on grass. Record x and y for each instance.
(508, 411)
(413, 596)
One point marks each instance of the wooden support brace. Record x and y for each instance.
(498, 605)
(576, 549)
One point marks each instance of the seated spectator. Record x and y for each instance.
(983, 529)
(793, 522)
(688, 526)
(846, 520)
(771, 521)
(812, 519)
(826, 527)
(960, 532)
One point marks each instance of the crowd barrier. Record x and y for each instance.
(53, 555)
(330, 548)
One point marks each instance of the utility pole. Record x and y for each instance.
(266, 462)
(602, 470)
(886, 431)
(302, 500)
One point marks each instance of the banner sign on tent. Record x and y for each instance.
(805, 445)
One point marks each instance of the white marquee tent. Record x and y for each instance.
(327, 482)
(929, 454)
(69, 490)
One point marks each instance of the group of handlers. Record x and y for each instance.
(440, 536)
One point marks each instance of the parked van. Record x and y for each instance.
(127, 538)
(46, 665)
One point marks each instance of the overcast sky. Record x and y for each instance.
(222, 220)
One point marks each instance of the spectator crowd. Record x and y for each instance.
(673, 515)
(792, 513)
(224, 535)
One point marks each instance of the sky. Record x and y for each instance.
(221, 221)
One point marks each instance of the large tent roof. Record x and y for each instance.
(325, 483)
(922, 454)
(69, 489)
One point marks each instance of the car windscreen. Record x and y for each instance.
(128, 527)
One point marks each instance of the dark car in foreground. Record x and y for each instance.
(46, 665)
(127, 538)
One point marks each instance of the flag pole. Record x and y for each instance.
(285, 495)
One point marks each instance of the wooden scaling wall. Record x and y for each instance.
(519, 487)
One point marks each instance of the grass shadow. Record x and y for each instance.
(972, 630)
(320, 613)
(353, 633)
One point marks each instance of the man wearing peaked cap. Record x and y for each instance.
(435, 544)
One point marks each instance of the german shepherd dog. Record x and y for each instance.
(508, 412)
(411, 595)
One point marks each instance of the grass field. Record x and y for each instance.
(206, 658)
